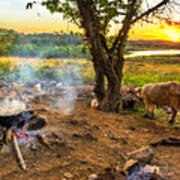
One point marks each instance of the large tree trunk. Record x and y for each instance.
(112, 97)
(109, 96)
(106, 64)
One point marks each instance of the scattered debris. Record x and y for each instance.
(144, 155)
(108, 174)
(171, 141)
(68, 175)
(130, 166)
(43, 140)
(93, 177)
(134, 171)
(87, 137)
(18, 153)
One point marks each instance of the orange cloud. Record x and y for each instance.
(162, 30)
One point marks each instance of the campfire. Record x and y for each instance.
(13, 125)
(17, 115)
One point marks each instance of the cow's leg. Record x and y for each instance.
(146, 109)
(152, 109)
(173, 116)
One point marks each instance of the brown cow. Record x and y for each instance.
(162, 94)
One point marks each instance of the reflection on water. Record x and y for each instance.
(152, 53)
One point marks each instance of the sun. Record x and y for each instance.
(172, 35)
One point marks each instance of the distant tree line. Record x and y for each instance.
(61, 45)
(43, 45)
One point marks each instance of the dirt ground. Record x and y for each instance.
(91, 142)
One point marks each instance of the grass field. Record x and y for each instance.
(137, 71)
(140, 71)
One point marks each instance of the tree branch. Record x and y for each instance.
(149, 11)
(126, 25)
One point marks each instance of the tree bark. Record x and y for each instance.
(106, 64)
(99, 89)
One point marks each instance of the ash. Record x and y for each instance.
(24, 137)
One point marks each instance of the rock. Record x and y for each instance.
(144, 155)
(93, 177)
(130, 166)
(152, 169)
(68, 175)
(65, 163)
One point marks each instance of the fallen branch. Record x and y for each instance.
(167, 142)
(18, 153)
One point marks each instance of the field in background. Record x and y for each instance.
(78, 71)
(137, 71)
(143, 70)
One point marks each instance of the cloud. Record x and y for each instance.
(172, 23)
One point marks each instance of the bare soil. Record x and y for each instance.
(91, 142)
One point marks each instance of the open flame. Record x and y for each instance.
(23, 136)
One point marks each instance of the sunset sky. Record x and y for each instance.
(13, 15)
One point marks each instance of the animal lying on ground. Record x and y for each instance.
(162, 94)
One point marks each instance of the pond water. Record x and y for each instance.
(153, 53)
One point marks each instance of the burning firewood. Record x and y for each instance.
(7, 136)
(18, 153)
(10, 121)
(44, 141)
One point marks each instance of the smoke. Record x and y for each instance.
(12, 106)
(22, 73)
(70, 77)
(44, 79)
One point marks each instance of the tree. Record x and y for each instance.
(96, 18)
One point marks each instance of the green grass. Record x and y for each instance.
(137, 72)
(138, 79)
